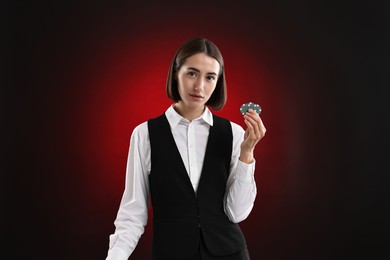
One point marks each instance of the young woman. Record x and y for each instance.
(197, 168)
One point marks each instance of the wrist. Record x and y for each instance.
(246, 157)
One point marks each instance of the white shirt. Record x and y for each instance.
(191, 140)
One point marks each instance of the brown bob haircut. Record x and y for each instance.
(189, 48)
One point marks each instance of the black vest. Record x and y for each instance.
(181, 216)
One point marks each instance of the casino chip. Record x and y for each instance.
(245, 107)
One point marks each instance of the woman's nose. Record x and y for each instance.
(199, 84)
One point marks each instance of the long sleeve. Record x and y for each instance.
(132, 215)
(241, 186)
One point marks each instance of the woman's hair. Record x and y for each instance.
(189, 48)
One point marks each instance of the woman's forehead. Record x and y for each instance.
(202, 62)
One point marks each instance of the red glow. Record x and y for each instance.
(129, 88)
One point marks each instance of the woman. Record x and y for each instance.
(198, 168)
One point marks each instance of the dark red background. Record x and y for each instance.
(79, 77)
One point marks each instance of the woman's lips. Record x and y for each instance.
(197, 97)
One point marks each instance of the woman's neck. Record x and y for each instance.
(188, 113)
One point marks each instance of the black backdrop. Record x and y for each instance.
(320, 70)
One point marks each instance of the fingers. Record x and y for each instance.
(256, 129)
(252, 130)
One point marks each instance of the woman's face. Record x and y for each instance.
(197, 79)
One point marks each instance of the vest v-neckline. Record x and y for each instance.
(177, 154)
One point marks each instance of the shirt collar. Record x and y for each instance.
(174, 118)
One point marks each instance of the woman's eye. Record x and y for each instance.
(210, 78)
(191, 74)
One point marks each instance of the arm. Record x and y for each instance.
(132, 215)
(241, 187)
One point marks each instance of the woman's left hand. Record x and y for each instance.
(254, 133)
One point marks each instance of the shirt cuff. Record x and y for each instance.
(117, 254)
(245, 172)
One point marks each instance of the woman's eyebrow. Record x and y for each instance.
(208, 73)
